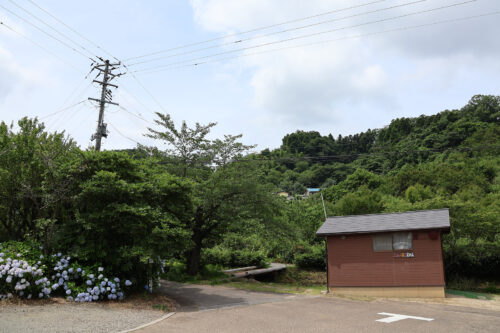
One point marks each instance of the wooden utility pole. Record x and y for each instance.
(106, 95)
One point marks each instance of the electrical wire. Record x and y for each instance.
(313, 34)
(73, 30)
(57, 121)
(126, 137)
(59, 111)
(405, 28)
(255, 29)
(146, 90)
(138, 116)
(278, 32)
(54, 29)
(41, 47)
(45, 32)
(124, 88)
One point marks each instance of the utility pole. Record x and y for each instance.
(106, 96)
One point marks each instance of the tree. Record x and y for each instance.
(125, 214)
(226, 188)
(32, 187)
(188, 145)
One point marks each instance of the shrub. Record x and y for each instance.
(227, 257)
(27, 273)
(478, 259)
(237, 250)
(311, 257)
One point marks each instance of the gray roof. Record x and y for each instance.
(414, 220)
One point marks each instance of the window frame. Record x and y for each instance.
(409, 237)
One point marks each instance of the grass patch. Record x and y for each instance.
(473, 285)
(302, 277)
(274, 287)
(177, 271)
(469, 294)
(161, 307)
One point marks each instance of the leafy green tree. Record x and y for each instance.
(363, 201)
(188, 145)
(33, 191)
(125, 215)
(225, 192)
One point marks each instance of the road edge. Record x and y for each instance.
(168, 315)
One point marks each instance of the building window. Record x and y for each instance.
(402, 241)
(390, 242)
(382, 242)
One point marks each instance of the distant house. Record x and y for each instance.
(311, 191)
(397, 254)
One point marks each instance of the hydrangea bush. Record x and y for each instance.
(26, 273)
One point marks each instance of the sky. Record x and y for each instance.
(338, 67)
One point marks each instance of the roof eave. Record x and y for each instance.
(447, 229)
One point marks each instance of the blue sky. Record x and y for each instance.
(340, 87)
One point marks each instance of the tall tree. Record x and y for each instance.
(188, 145)
(32, 188)
(226, 188)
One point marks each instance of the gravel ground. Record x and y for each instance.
(72, 318)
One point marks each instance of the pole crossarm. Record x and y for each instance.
(99, 101)
(102, 82)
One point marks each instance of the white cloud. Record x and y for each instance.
(311, 86)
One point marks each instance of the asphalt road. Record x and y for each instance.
(239, 311)
(192, 297)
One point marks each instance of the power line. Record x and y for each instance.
(56, 121)
(59, 111)
(145, 89)
(70, 28)
(49, 26)
(46, 33)
(256, 29)
(311, 35)
(41, 47)
(279, 32)
(135, 98)
(405, 28)
(136, 115)
(126, 137)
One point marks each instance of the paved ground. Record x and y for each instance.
(71, 317)
(256, 312)
(193, 297)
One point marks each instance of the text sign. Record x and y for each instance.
(404, 255)
(392, 317)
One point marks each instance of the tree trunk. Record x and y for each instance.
(195, 255)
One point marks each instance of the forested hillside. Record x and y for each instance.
(134, 213)
(451, 159)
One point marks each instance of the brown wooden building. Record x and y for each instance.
(397, 254)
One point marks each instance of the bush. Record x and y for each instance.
(26, 273)
(227, 257)
(125, 219)
(237, 251)
(473, 259)
(311, 257)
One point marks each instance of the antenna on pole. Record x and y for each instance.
(105, 69)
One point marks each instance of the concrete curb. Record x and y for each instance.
(150, 323)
